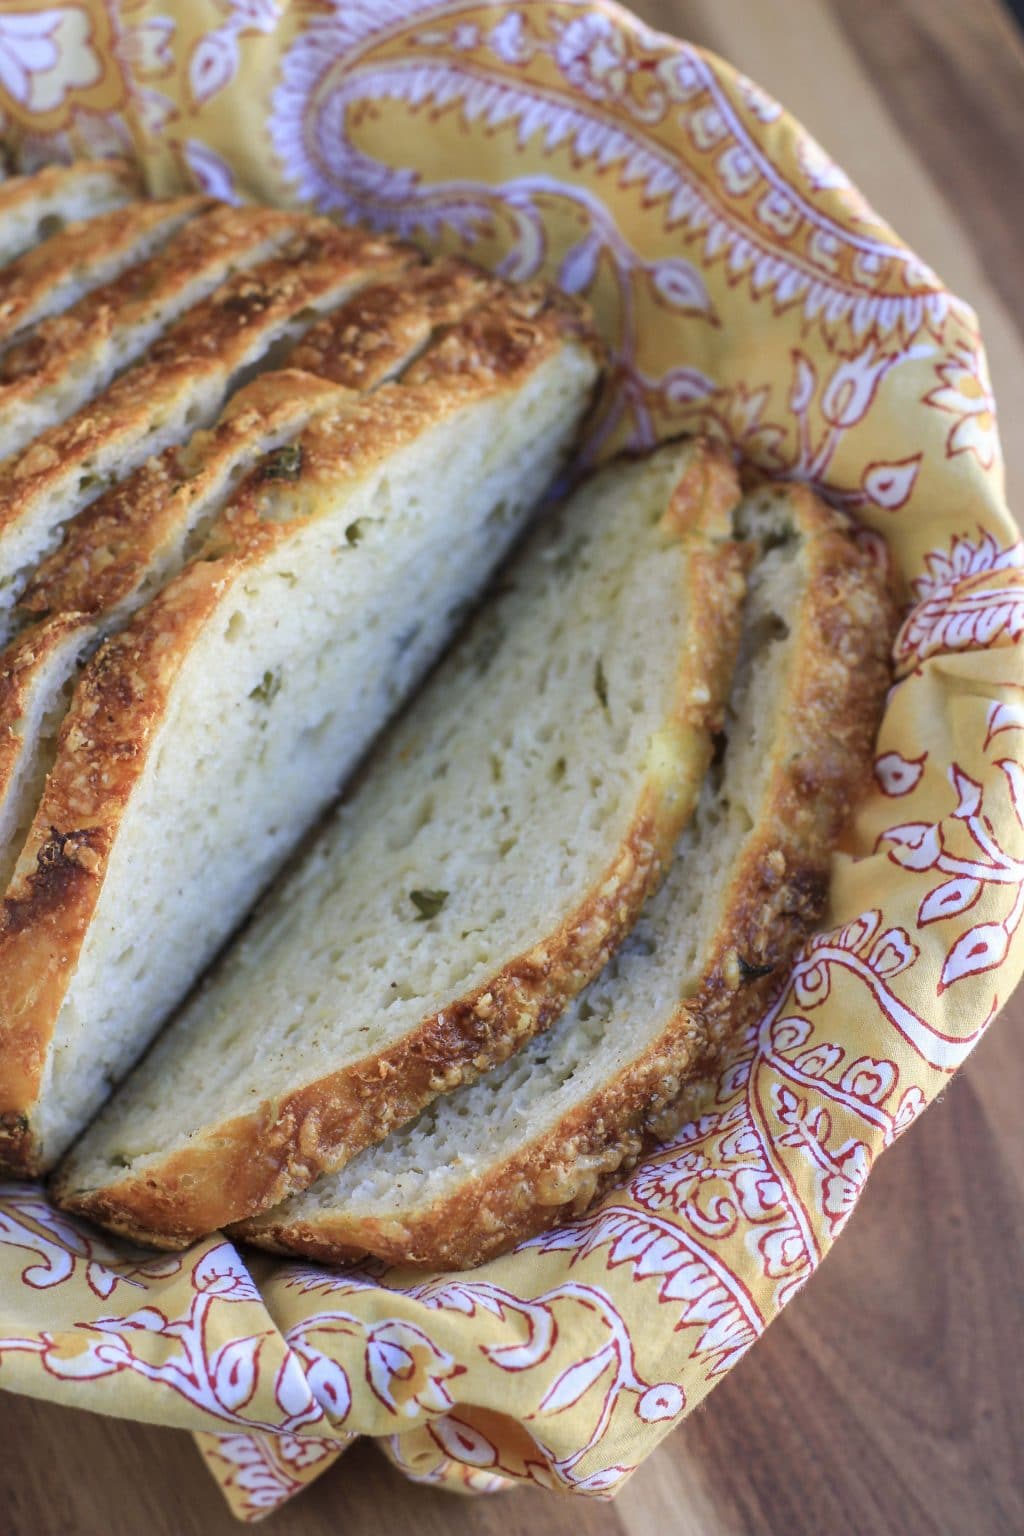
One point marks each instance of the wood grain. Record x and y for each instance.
(888, 1398)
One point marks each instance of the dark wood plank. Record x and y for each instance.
(958, 73)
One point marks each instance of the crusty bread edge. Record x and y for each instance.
(252, 1162)
(773, 904)
(110, 550)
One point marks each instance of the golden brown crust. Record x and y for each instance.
(86, 246)
(212, 339)
(496, 337)
(378, 332)
(22, 663)
(123, 695)
(250, 1163)
(211, 241)
(113, 548)
(321, 258)
(778, 894)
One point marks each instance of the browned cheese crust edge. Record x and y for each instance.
(372, 336)
(86, 241)
(21, 663)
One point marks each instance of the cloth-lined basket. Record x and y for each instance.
(747, 290)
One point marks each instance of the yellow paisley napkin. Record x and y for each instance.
(749, 291)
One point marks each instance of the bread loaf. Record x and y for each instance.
(492, 858)
(203, 739)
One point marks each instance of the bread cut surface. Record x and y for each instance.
(536, 1139)
(34, 207)
(495, 853)
(203, 739)
(182, 382)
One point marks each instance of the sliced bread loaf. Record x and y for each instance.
(128, 542)
(181, 383)
(85, 255)
(203, 739)
(535, 1140)
(34, 207)
(497, 851)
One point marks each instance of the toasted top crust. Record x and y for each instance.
(777, 892)
(116, 550)
(320, 259)
(29, 204)
(71, 357)
(124, 546)
(283, 1143)
(102, 746)
(185, 375)
(84, 254)
(209, 244)
(496, 336)
(379, 331)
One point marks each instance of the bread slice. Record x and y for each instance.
(35, 207)
(85, 255)
(535, 1140)
(204, 738)
(492, 858)
(37, 674)
(181, 384)
(128, 542)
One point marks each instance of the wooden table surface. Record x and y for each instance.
(890, 1396)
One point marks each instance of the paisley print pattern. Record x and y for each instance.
(747, 290)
